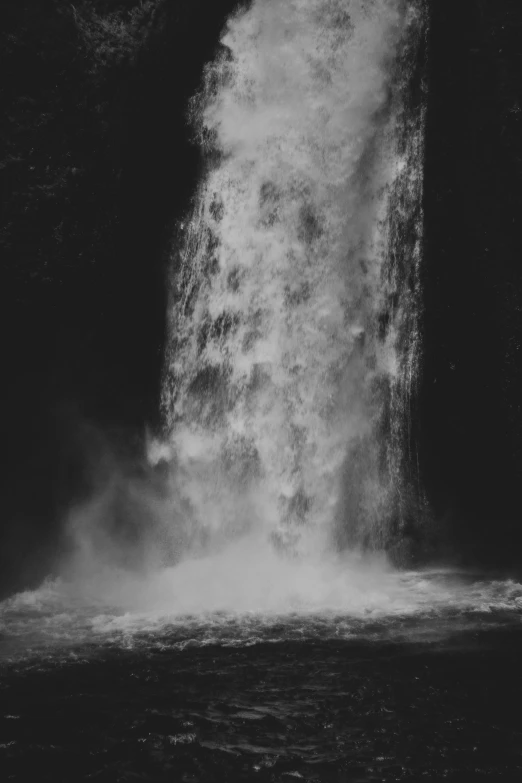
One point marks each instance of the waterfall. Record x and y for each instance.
(294, 282)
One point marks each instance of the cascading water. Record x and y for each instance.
(290, 369)
(293, 316)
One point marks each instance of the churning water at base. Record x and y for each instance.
(236, 599)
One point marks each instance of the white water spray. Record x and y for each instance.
(288, 312)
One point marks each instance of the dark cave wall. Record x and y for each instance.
(471, 394)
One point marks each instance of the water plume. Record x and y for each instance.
(294, 290)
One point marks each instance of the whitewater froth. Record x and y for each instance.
(276, 359)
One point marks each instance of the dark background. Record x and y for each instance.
(471, 394)
(96, 166)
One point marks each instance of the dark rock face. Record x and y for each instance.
(471, 420)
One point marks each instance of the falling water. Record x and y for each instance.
(287, 452)
(293, 315)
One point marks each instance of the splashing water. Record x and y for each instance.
(236, 599)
